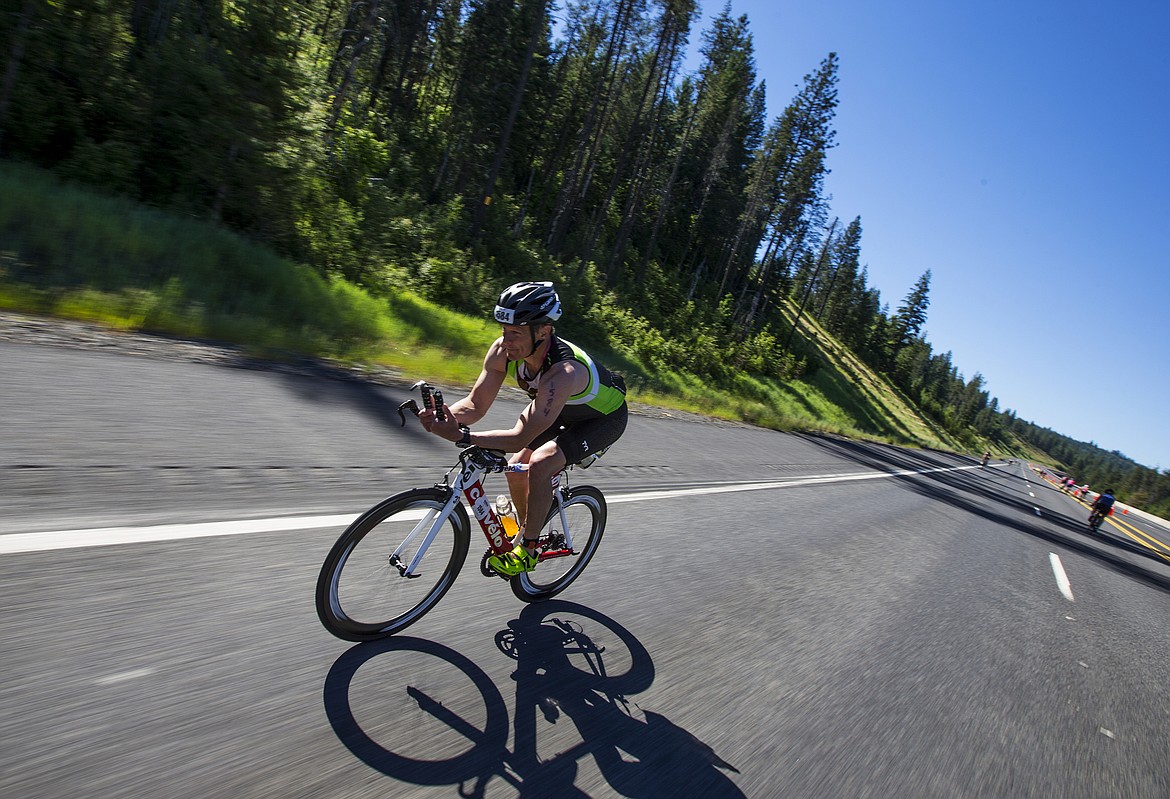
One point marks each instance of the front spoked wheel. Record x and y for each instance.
(559, 565)
(364, 591)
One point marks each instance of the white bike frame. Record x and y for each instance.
(468, 483)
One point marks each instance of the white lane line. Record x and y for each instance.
(123, 676)
(1061, 578)
(805, 481)
(109, 536)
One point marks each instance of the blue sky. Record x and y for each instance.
(1021, 152)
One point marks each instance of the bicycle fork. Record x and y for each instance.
(432, 522)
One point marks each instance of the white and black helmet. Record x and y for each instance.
(528, 304)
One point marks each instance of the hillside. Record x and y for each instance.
(75, 254)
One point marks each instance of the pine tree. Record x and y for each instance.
(911, 316)
(728, 129)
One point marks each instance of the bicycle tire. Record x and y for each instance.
(362, 595)
(586, 511)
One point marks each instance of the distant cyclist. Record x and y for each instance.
(578, 408)
(1103, 504)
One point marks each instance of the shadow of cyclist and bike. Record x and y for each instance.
(427, 714)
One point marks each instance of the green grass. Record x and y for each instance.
(74, 254)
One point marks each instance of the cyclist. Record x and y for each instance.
(578, 408)
(986, 458)
(1103, 504)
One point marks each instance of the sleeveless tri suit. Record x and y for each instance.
(590, 420)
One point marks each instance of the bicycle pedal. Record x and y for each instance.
(486, 569)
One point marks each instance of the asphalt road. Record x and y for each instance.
(875, 622)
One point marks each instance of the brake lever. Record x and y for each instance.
(412, 405)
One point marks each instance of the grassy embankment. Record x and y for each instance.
(71, 253)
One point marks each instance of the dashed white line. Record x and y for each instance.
(123, 676)
(1061, 578)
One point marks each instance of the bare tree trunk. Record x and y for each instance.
(637, 130)
(749, 317)
(576, 183)
(480, 213)
(718, 160)
(405, 81)
(150, 26)
(751, 214)
(392, 32)
(361, 40)
(699, 269)
(222, 191)
(811, 281)
(828, 293)
(518, 225)
(324, 31)
(759, 303)
(664, 203)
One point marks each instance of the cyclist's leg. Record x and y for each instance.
(546, 461)
(518, 481)
(518, 485)
(572, 443)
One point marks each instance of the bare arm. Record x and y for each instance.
(471, 408)
(556, 386)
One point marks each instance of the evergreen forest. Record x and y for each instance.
(450, 147)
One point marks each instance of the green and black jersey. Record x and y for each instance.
(605, 393)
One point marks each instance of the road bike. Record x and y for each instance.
(395, 562)
(1095, 519)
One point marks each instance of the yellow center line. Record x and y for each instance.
(1149, 542)
(1137, 535)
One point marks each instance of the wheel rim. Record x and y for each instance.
(582, 513)
(368, 596)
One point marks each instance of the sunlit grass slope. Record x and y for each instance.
(71, 253)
